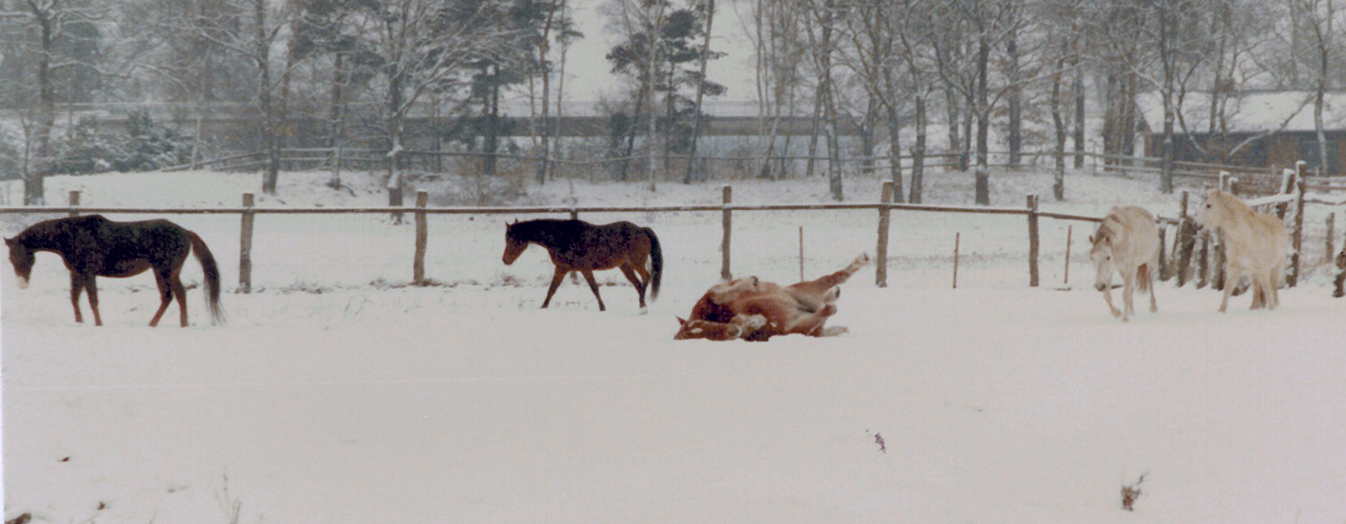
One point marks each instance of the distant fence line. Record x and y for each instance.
(1253, 180)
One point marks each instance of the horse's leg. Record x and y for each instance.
(1232, 274)
(814, 292)
(165, 297)
(1107, 297)
(1151, 273)
(76, 287)
(1128, 289)
(91, 285)
(593, 284)
(555, 283)
(630, 272)
(812, 324)
(180, 293)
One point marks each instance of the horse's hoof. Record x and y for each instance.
(755, 321)
(832, 331)
(1117, 313)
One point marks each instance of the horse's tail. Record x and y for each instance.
(212, 273)
(656, 263)
(1144, 278)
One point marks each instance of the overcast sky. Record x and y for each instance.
(588, 73)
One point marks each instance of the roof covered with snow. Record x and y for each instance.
(1250, 112)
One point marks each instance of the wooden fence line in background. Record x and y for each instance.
(884, 208)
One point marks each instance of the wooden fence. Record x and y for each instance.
(883, 209)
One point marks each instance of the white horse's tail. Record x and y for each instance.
(1144, 278)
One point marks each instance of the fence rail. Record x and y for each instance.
(421, 210)
(1294, 192)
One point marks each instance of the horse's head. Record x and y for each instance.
(22, 259)
(1101, 255)
(514, 246)
(1216, 208)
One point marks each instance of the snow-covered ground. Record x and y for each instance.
(337, 393)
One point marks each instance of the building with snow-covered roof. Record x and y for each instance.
(1257, 129)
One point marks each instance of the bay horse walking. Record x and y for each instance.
(1127, 242)
(1255, 246)
(93, 246)
(576, 245)
(751, 309)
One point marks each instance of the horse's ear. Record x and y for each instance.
(681, 322)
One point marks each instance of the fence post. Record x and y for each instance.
(1164, 274)
(1203, 261)
(1032, 240)
(727, 219)
(1331, 226)
(418, 265)
(1297, 239)
(245, 247)
(74, 203)
(881, 252)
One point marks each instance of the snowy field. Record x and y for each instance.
(337, 393)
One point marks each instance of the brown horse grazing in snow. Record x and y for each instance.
(576, 245)
(750, 309)
(93, 246)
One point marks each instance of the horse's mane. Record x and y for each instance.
(544, 229)
(1107, 229)
(1232, 203)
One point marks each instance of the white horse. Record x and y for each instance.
(1126, 242)
(1255, 246)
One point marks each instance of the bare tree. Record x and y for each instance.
(426, 46)
(45, 25)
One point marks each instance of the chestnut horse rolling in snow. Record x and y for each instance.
(576, 245)
(750, 309)
(93, 246)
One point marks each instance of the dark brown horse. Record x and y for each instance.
(576, 245)
(93, 246)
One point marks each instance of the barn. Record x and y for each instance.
(1262, 129)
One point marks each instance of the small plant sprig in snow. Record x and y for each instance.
(1131, 493)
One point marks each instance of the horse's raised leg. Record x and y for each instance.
(593, 284)
(91, 286)
(165, 296)
(555, 283)
(814, 292)
(76, 287)
(630, 272)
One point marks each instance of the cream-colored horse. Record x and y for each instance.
(1255, 246)
(1127, 242)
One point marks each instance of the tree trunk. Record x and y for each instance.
(918, 152)
(983, 171)
(270, 142)
(1059, 124)
(700, 93)
(34, 182)
(1014, 101)
(1077, 89)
